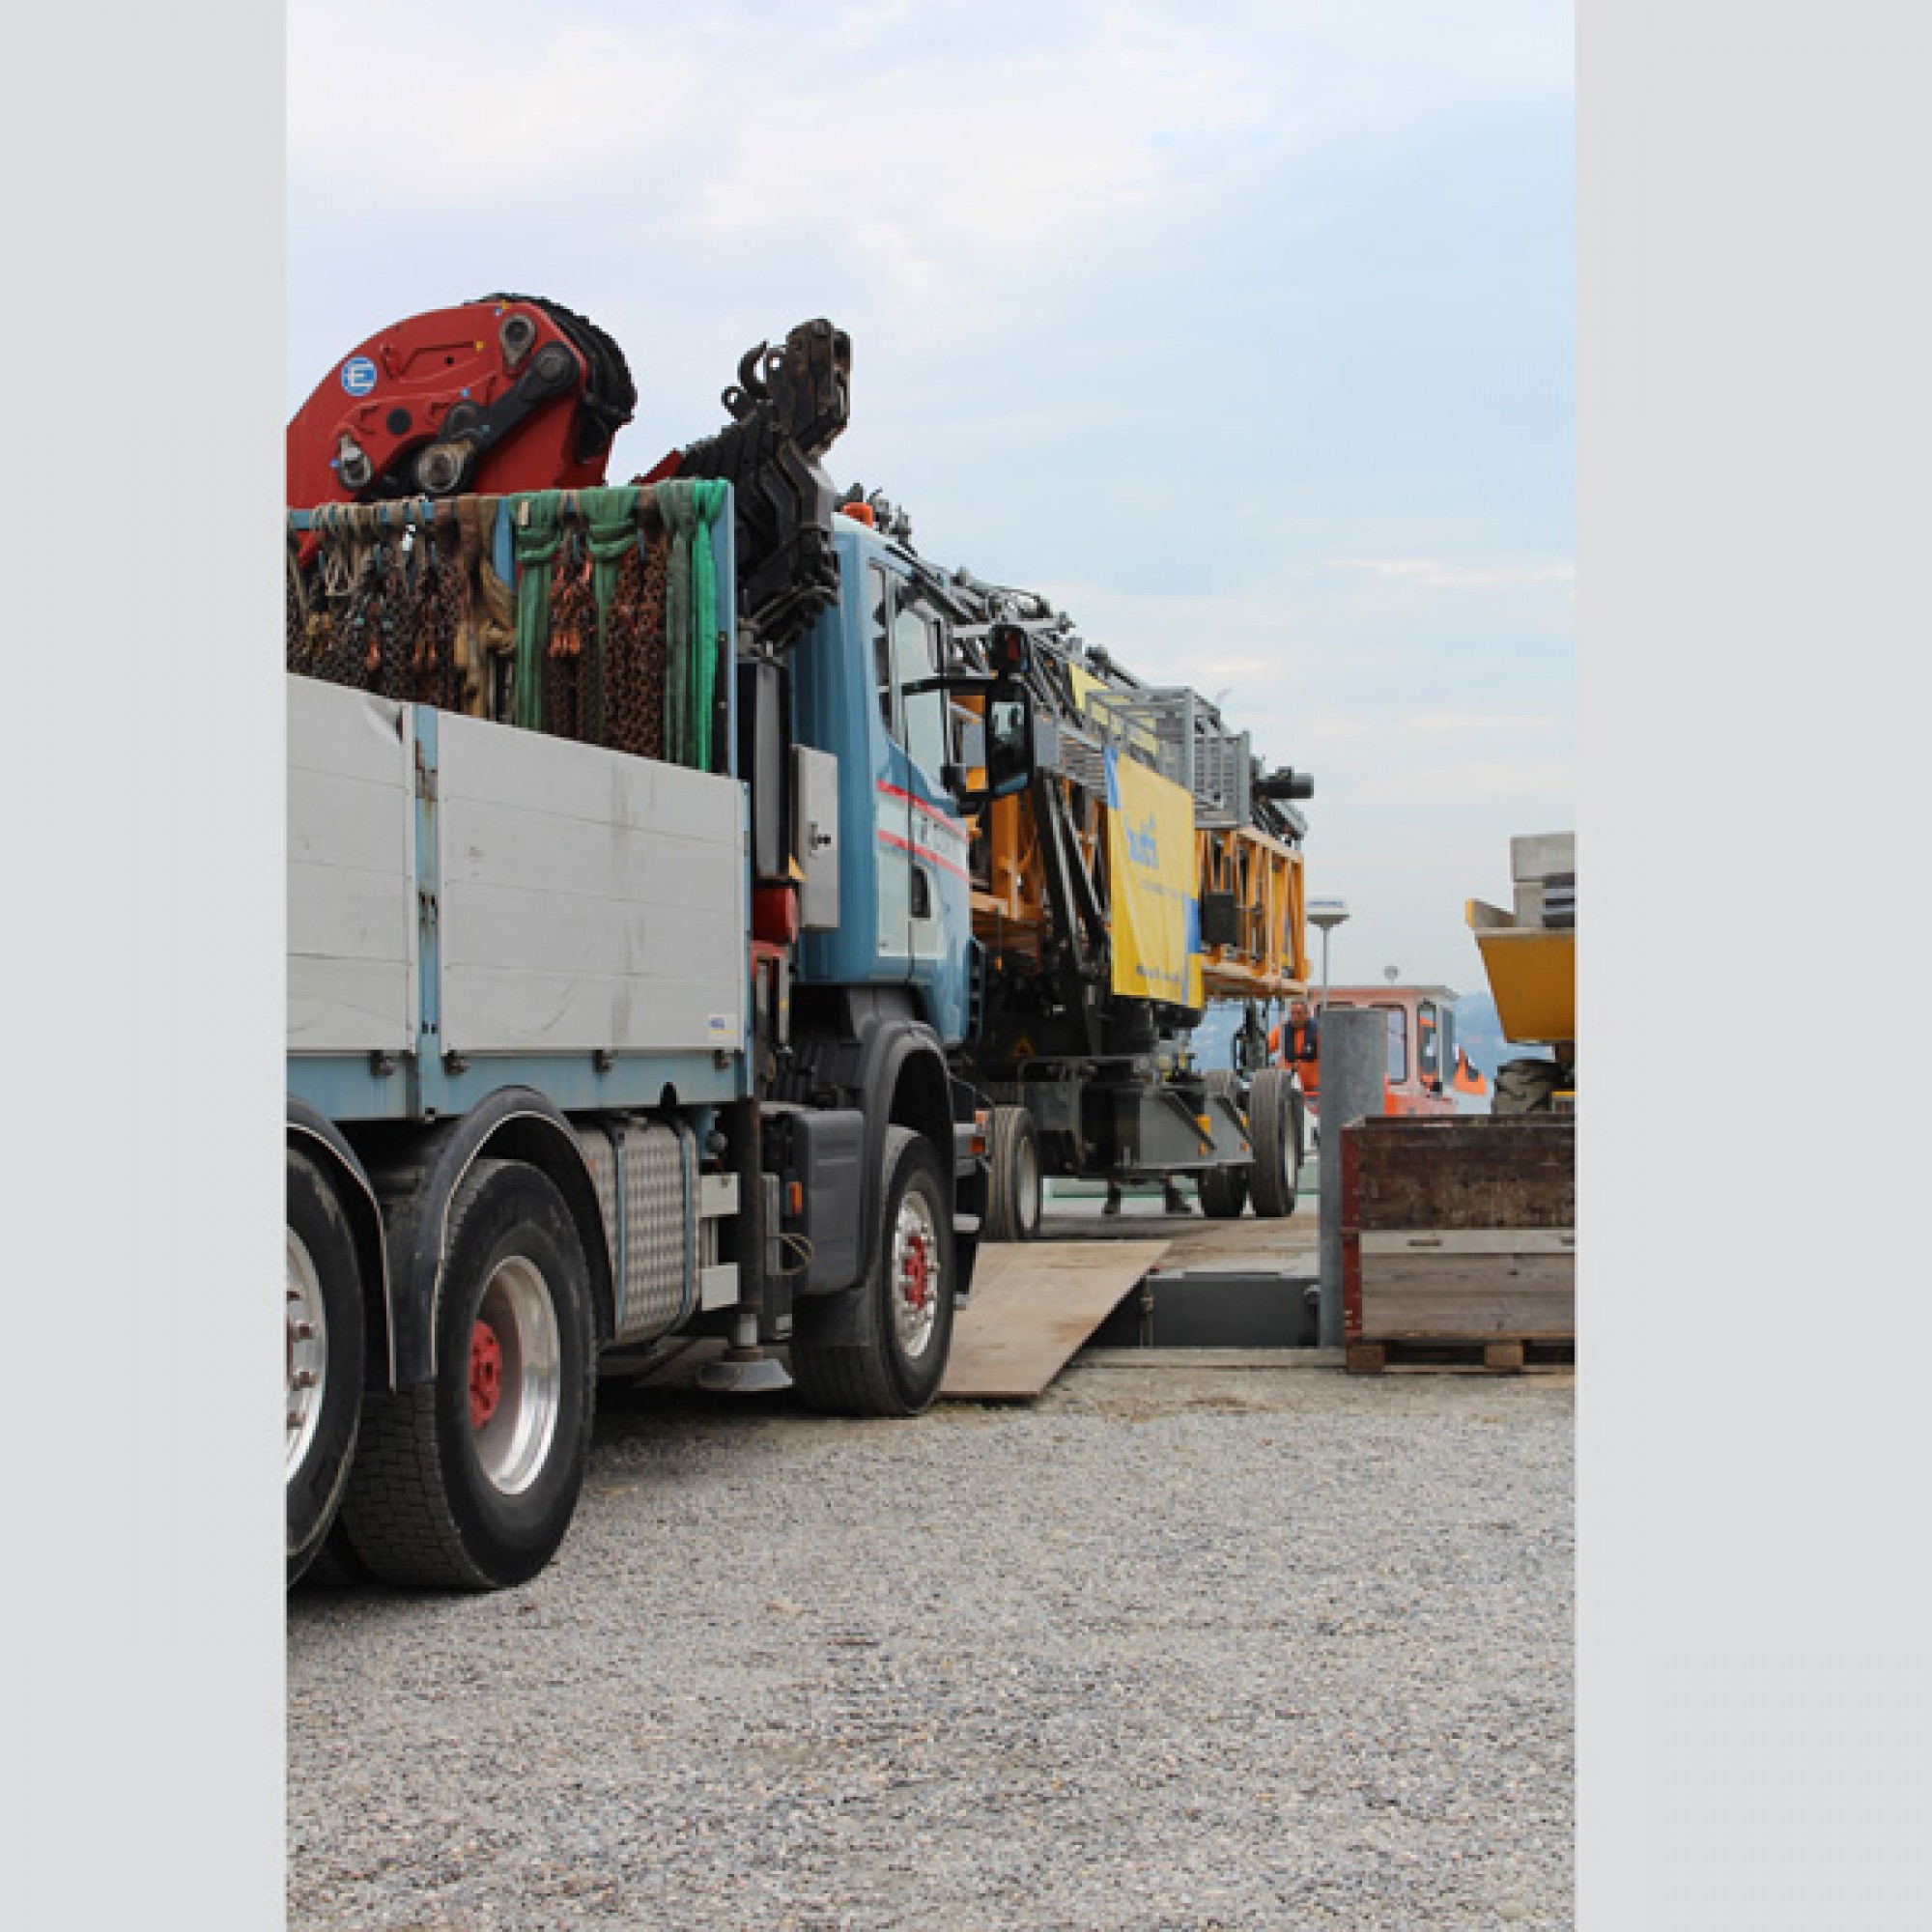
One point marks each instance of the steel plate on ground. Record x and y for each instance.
(1034, 1304)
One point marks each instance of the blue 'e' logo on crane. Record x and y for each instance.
(358, 375)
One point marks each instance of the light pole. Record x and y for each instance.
(1327, 915)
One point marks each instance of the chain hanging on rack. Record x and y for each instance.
(572, 628)
(388, 655)
(635, 634)
(349, 579)
(433, 613)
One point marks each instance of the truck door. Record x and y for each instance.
(924, 847)
(892, 797)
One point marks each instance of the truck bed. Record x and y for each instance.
(459, 888)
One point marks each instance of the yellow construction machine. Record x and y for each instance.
(1530, 956)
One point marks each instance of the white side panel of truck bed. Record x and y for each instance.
(588, 899)
(352, 895)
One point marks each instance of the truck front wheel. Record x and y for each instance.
(891, 1357)
(469, 1480)
(323, 1307)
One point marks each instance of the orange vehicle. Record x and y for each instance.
(1426, 1067)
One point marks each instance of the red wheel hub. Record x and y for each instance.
(486, 1374)
(918, 1267)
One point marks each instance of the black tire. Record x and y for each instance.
(1274, 1129)
(897, 1363)
(1224, 1190)
(324, 1311)
(1014, 1187)
(440, 1499)
(1526, 1087)
(336, 1565)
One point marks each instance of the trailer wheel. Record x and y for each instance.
(1014, 1187)
(905, 1299)
(469, 1480)
(323, 1307)
(1275, 1127)
(1224, 1190)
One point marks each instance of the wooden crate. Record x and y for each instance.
(1459, 1229)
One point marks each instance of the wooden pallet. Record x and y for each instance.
(1501, 1357)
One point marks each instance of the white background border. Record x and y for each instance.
(141, 1732)
(1754, 429)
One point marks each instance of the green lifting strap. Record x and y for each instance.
(611, 529)
(534, 515)
(688, 509)
(710, 499)
(675, 508)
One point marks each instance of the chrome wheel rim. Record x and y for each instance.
(308, 1351)
(516, 1376)
(916, 1283)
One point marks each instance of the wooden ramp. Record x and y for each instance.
(1034, 1303)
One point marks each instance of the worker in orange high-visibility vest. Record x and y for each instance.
(1301, 1048)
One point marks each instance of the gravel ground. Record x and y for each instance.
(1179, 1646)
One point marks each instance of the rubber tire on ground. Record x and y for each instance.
(1274, 1129)
(1224, 1190)
(1013, 1183)
(315, 1487)
(422, 1511)
(336, 1565)
(872, 1375)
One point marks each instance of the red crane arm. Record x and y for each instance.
(511, 392)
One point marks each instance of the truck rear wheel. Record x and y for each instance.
(1014, 1187)
(1224, 1190)
(1274, 1128)
(323, 1307)
(469, 1480)
(905, 1299)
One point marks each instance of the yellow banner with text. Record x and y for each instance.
(1157, 915)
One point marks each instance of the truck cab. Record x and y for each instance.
(904, 887)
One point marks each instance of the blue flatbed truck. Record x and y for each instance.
(637, 838)
(588, 1049)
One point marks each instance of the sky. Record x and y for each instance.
(1246, 340)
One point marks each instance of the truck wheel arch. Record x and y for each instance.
(512, 1124)
(894, 1074)
(903, 1082)
(316, 1135)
